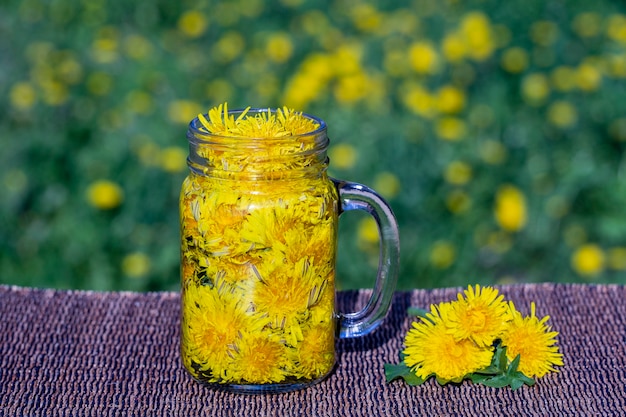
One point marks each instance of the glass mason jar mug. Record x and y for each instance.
(258, 243)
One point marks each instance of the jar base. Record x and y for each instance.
(274, 388)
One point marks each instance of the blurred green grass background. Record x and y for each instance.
(496, 130)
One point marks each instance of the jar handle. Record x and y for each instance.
(355, 196)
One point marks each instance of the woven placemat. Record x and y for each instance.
(81, 353)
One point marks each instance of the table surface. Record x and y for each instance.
(116, 353)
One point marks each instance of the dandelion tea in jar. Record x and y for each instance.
(258, 242)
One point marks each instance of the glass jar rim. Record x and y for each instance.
(195, 126)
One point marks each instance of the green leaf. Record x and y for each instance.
(417, 312)
(400, 370)
(395, 371)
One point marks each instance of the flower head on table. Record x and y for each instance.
(479, 337)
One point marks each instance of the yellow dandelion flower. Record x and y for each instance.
(454, 47)
(279, 47)
(417, 99)
(532, 339)
(285, 122)
(514, 60)
(510, 208)
(616, 258)
(493, 152)
(285, 295)
(23, 96)
(260, 358)
(431, 350)
(587, 24)
(367, 231)
(182, 111)
(535, 88)
(228, 47)
(479, 316)
(212, 326)
(442, 254)
(588, 77)
(450, 128)
(562, 114)
(343, 156)
(478, 34)
(564, 78)
(450, 99)
(192, 23)
(458, 201)
(105, 195)
(136, 265)
(173, 159)
(458, 173)
(616, 27)
(315, 354)
(387, 184)
(544, 32)
(588, 260)
(424, 58)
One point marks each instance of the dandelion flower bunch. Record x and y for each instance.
(479, 337)
(258, 252)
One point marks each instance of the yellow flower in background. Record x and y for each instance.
(417, 99)
(343, 156)
(493, 152)
(587, 24)
(99, 83)
(366, 18)
(387, 184)
(228, 47)
(182, 111)
(458, 173)
(139, 102)
(450, 99)
(352, 87)
(279, 47)
(588, 260)
(424, 58)
(367, 231)
(510, 208)
(136, 265)
(432, 350)
(616, 258)
(137, 47)
(105, 48)
(105, 194)
(616, 28)
(562, 114)
(532, 339)
(450, 128)
(588, 77)
(514, 60)
(564, 78)
(23, 96)
(477, 31)
(193, 24)
(454, 48)
(544, 32)
(173, 159)
(535, 88)
(442, 254)
(458, 201)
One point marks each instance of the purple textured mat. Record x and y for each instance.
(74, 353)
